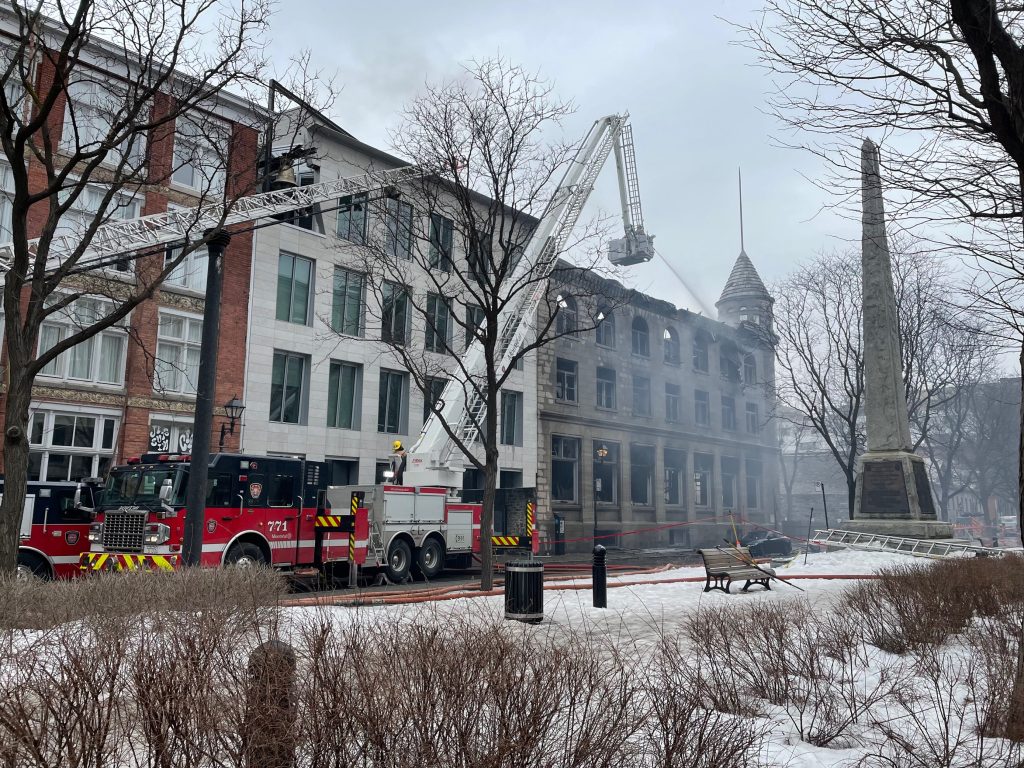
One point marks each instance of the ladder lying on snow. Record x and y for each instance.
(875, 542)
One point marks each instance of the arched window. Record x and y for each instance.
(641, 337)
(700, 352)
(671, 338)
(565, 321)
(749, 369)
(606, 329)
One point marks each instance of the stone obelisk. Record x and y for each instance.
(893, 493)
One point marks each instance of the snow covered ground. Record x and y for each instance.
(642, 614)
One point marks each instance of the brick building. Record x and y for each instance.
(658, 417)
(131, 388)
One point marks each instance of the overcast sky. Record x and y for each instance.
(695, 97)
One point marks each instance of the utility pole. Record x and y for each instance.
(202, 425)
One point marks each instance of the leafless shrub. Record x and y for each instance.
(680, 731)
(931, 721)
(716, 675)
(238, 595)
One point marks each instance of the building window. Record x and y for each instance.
(294, 288)
(99, 359)
(749, 369)
(92, 109)
(287, 385)
(566, 321)
(673, 403)
(191, 270)
(344, 394)
(440, 242)
(176, 368)
(167, 434)
(565, 459)
(641, 337)
(672, 350)
(606, 472)
(510, 478)
(86, 208)
(394, 309)
(439, 324)
(398, 243)
(675, 463)
(730, 470)
(606, 388)
(702, 464)
(728, 413)
(700, 353)
(347, 302)
(352, 218)
(729, 362)
(67, 446)
(199, 156)
(641, 396)
(391, 402)
(701, 408)
(474, 320)
(511, 417)
(606, 330)
(565, 380)
(641, 474)
(753, 419)
(480, 253)
(432, 393)
(6, 200)
(749, 316)
(753, 484)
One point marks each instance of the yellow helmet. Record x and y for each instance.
(397, 445)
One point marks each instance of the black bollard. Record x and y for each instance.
(600, 577)
(271, 707)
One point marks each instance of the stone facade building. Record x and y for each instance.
(131, 388)
(653, 427)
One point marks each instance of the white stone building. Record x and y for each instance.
(339, 394)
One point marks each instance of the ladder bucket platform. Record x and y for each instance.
(875, 542)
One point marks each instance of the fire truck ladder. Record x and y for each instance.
(376, 542)
(874, 542)
(116, 238)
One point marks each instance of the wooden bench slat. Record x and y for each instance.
(724, 567)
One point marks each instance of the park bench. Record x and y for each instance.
(725, 566)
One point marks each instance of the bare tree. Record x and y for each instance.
(461, 228)
(942, 79)
(93, 95)
(821, 357)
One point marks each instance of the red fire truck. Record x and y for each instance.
(54, 533)
(277, 512)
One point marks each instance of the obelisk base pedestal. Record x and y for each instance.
(894, 498)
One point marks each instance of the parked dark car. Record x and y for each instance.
(767, 544)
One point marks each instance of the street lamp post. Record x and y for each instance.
(824, 503)
(202, 427)
(601, 452)
(233, 408)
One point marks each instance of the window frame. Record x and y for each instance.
(335, 375)
(384, 401)
(185, 344)
(303, 393)
(341, 295)
(395, 299)
(439, 325)
(439, 254)
(640, 336)
(729, 422)
(561, 389)
(673, 403)
(66, 323)
(515, 436)
(602, 337)
(200, 146)
(574, 461)
(289, 309)
(606, 388)
(642, 405)
(355, 227)
(398, 240)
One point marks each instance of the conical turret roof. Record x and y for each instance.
(744, 282)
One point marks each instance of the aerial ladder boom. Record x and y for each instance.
(462, 408)
(117, 238)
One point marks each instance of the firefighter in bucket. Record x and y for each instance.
(398, 458)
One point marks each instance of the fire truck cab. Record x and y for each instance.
(54, 532)
(260, 510)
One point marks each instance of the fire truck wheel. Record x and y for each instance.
(430, 558)
(32, 566)
(399, 560)
(244, 555)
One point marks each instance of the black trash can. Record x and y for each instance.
(524, 591)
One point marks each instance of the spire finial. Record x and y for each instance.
(739, 177)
